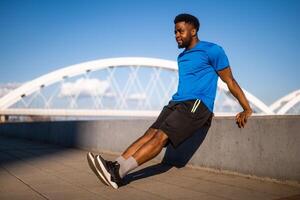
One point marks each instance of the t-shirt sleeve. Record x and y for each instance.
(218, 58)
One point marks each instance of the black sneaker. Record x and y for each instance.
(91, 160)
(110, 170)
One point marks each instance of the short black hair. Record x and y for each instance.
(188, 19)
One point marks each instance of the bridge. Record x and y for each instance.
(119, 87)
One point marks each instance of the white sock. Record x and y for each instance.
(126, 165)
(120, 159)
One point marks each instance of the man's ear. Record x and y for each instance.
(194, 32)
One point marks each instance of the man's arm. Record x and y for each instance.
(237, 92)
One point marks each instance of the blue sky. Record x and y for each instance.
(261, 38)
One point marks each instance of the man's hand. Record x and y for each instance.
(241, 118)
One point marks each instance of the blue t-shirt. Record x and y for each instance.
(197, 69)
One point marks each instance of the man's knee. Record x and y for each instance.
(160, 137)
(150, 132)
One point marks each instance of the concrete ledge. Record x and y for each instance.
(269, 146)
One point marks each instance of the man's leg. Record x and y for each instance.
(138, 143)
(134, 147)
(140, 151)
(144, 149)
(145, 152)
(151, 148)
(114, 172)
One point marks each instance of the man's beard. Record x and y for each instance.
(180, 46)
(184, 44)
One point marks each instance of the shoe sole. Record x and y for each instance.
(91, 161)
(101, 166)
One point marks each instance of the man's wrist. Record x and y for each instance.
(249, 110)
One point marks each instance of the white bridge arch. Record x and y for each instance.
(286, 104)
(47, 80)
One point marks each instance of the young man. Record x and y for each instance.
(191, 107)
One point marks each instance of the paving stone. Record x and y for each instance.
(229, 192)
(124, 193)
(74, 195)
(14, 196)
(253, 184)
(167, 191)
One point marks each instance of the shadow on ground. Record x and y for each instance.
(13, 150)
(19, 140)
(178, 157)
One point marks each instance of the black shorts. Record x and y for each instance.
(180, 119)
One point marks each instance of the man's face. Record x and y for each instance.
(183, 34)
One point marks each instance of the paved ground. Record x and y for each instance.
(31, 170)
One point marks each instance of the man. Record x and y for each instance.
(191, 107)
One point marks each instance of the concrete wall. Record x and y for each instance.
(269, 146)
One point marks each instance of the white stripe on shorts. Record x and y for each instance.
(195, 106)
